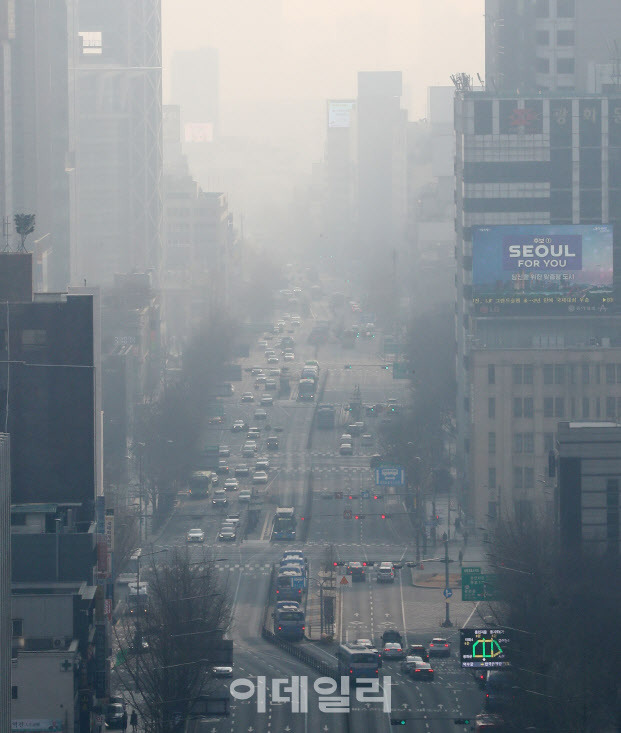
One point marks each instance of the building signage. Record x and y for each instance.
(520, 270)
(35, 725)
(109, 529)
(340, 112)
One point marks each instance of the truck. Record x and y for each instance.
(284, 523)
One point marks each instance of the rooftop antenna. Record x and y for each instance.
(462, 82)
(481, 82)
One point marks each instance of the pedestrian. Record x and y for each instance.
(124, 721)
(461, 557)
(444, 537)
(134, 721)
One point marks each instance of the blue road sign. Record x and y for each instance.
(364, 494)
(297, 582)
(447, 592)
(388, 475)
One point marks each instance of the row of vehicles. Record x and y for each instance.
(291, 584)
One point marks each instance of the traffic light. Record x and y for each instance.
(398, 721)
(385, 366)
(347, 366)
(384, 516)
(462, 721)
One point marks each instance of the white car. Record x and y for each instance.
(262, 463)
(271, 384)
(242, 470)
(222, 671)
(196, 535)
(244, 495)
(219, 498)
(260, 477)
(260, 414)
(224, 451)
(231, 484)
(273, 373)
(272, 359)
(232, 519)
(239, 425)
(247, 397)
(267, 399)
(409, 662)
(346, 449)
(289, 356)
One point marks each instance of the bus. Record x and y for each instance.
(306, 390)
(358, 662)
(199, 484)
(284, 524)
(290, 585)
(138, 599)
(326, 415)
(289, 623)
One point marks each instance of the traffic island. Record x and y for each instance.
(422, 579)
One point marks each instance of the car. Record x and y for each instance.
(253, 433)
(222, 671)
(219, 497)
(195, 535)
(269, 352)
(260, 477)
(490, 723)
(249, 450)
(312, 362)
(366, 439)
(256, 370)
(421, 671)
(233, 518)
(273, 359)
(261, 379)
(227, 534)
(262, 463)
(118, 699)
(277, 428)
(244, 495)
(114, 715)
(385, 572)
(391, 635)
(242, 470)
(224, 451)
(231, 484)
(375, 461)
(367, 643)
(357, 572)
(223, 467)
(418, 650)
(499, 690)
(271, 385)
(346, 449)
(275, 372)
(247, 397)
(216, 420)
(239, 425)
(355, 429)
(262, 343)
(260, 414)
(272, 443)
(439, 647)
(289, 356)
(346, 438)
(393, 650)
(267, 399)
(409, 661)
(214, 479)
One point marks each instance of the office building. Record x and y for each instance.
(551, 45)
(534, 347)
(43, 133)
(195, 89)
(47, 382)
(7, 33)
(119, 133)
(5, 582)
(589, 480)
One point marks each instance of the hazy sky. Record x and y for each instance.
(296, 49)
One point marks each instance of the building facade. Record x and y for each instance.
(529, 161)
(5, 582)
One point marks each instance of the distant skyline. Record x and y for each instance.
(295, 50)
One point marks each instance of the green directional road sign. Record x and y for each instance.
(478, 586)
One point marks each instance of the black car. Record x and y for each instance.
(418, 650)
(114, 715)
(356, 570)
(391, 636)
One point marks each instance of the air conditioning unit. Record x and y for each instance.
(58, 642)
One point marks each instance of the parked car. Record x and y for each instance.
(114, 715)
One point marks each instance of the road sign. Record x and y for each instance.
(343, 581)
(478, 586)
(297, 582)
(447, 592)
(347, 514)
(364, 494)
(484, 648)
(389, 475)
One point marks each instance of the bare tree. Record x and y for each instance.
(170, 650)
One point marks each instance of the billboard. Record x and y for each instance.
(542, 269)
(340, 112)
(484, 648)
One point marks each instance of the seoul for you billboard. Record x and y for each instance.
(554, 269)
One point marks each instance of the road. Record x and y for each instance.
(364, 609)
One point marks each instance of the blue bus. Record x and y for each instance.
(290, 585)
(358, 662)
(284, 523)
(289, 623)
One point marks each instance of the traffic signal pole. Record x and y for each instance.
(447, 623)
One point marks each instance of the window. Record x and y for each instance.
(542, 66)
(559, 407)
(491, 407)
(518, 477)
(598, 409)
(548, 374)
(91, 42)
(491, 374)
(565, 9)
(517, 442)
(565, 66)
(491, 442)
(491, 478)
(14, 692)
(517, 407)
(565, 38)
(559, 374)
(528, 373)
(542, 9)
(585, 374)
(611, 408)
(34, 338)
(598, 373)
(529, 477)
(548, 407)
(585, 408)
(543, 38)
(548, 442)
(517, 374)
(528, 441)
(571, 370)
(528, 407)
(18, 626)
(610, 374)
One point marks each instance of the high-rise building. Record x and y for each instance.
(43, 168)
(119, 150)
(7, 33)
(195, 84)
(538, 337)
(5, 581)
(381, 169)
(551, 45)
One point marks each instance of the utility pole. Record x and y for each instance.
(447, 618)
